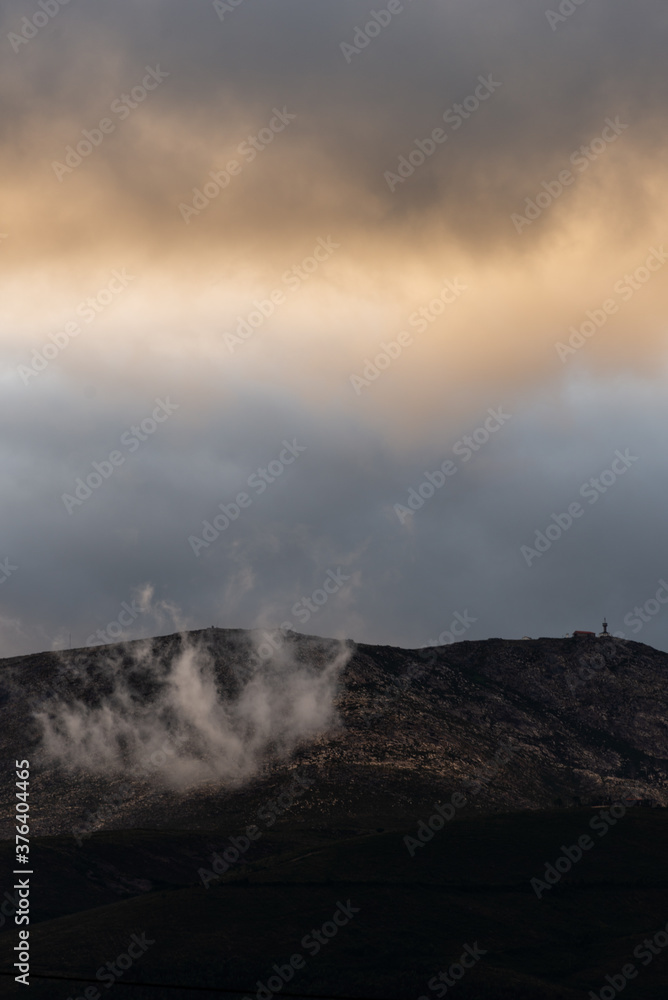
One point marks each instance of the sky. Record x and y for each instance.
(343, 317)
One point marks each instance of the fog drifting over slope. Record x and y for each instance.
(177, 721)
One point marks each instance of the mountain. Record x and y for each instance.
(224, 792)
(520, 724)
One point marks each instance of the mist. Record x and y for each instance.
(183, 721)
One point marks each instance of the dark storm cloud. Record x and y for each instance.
(354, 119)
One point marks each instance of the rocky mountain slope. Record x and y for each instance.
(511, 724)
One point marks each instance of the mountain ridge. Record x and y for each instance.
(582, 721)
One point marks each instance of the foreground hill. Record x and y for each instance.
(410, 917)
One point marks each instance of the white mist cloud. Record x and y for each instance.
(202, 723)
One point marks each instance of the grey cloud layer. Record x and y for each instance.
(333, 512)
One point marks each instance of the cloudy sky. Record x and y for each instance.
(340, 316)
